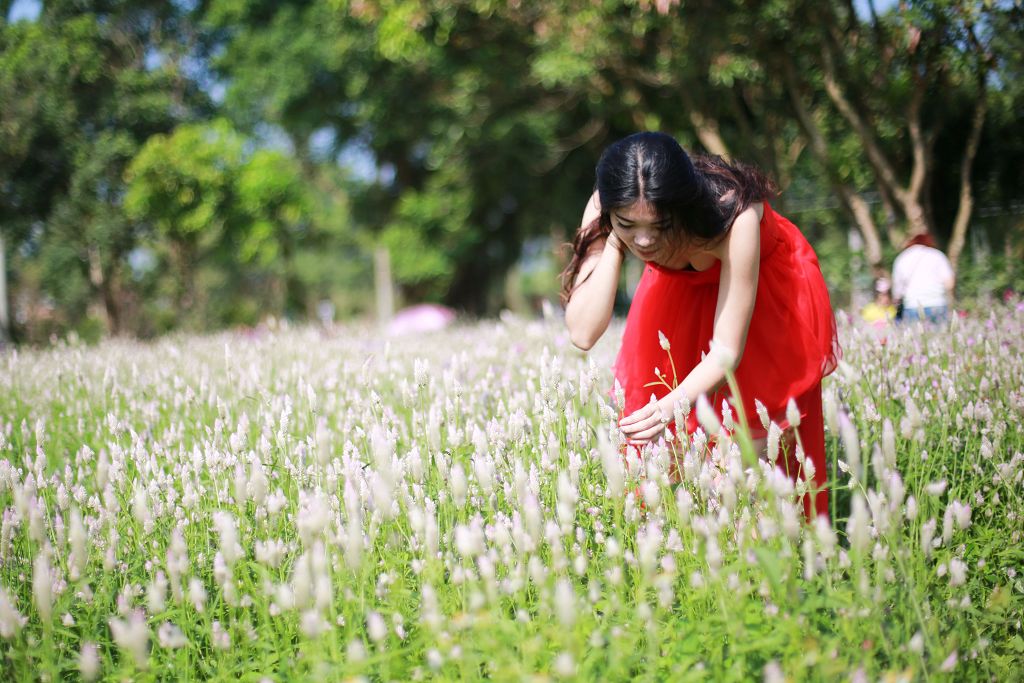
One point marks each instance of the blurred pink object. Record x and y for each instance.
(421, 318)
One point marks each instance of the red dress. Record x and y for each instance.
(791, 343)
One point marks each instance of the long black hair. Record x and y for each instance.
(702, 195)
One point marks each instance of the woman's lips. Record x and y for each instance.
(644, 253)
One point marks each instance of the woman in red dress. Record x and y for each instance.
(722, 270)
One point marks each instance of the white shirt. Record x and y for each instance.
(921, 276)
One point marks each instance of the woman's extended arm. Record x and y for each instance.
(589, 309)
(740, 254)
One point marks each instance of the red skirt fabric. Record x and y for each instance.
(791, 343)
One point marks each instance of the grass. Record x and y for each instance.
(305, 505)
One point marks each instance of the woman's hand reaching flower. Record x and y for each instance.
(645, 425)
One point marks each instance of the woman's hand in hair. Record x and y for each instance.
(591, 294)
(614, 242)
(592, 211)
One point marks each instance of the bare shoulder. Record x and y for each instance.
(746, 229)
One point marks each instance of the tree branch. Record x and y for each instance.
(883, 168)
(918, 143)
(707, 129)
(966, 203)
(853, 202)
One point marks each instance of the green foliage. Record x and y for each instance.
(184, 182)
(398, 34)
(39, 67)
(78, 103)
(211, 137)
(214, 202)
(428, 232)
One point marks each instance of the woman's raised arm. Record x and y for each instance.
(589, 308)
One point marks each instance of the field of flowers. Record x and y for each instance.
(301, 505)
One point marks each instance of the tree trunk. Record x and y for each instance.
(762, 135)
(184, 264)
(966, 206)
(112, 303)
(384, 285)
(872, 149)
(706, 129)
(98, 307)
(791, 153)
(861, 213)
(708, 133)
(912, 197)
(892, 228)
(909, 197)
(853, 202)
(5, 319)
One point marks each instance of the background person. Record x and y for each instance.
(880, 311)
(923, 281)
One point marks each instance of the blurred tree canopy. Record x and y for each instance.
(213, 162)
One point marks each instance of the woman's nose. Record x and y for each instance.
(644, 240)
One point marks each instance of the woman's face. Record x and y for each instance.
(643, 231)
